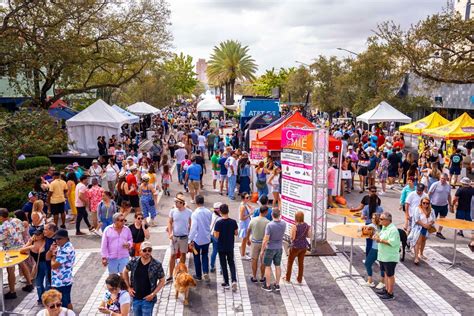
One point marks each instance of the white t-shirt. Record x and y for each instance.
(111, 172)
(231, 161)
(64, 312)
(201, 141)
(414, 200)
(180, 154)
(80, 188)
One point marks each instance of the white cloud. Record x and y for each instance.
(278, 32)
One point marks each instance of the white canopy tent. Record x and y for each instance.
(99, 119)
(209, 107)
(143, 108)
(383, 112)
(132, 118)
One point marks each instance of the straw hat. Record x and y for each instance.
(180, 144)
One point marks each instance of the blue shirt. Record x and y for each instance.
(200, 231)
(256, 213)
(66, 256)
(194, 172)
(223, 169)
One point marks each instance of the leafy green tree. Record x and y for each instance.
(272, 78)
(299, 83)
(69, 47)
(31, 132)
(439, 48)
(180, 69)
(230, 61)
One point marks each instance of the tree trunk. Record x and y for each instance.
(227, 93)
(232, 85)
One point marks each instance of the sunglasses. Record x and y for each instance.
(139, 218)
(57, 305)
(373, 191)
(425, 203)
(246, 197)
(383, 219)
(121, 220)
(147, 250)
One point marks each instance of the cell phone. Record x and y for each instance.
(13, 256)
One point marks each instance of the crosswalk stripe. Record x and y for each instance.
(28, 304)
(467, 252)
(298, 299)
(93, 302)
(427, 299)
(362, 299)
(229, 302)
(458, 277)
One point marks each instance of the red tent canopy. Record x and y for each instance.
(272, 134)
(58, 104)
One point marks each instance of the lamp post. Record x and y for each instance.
(346, 50)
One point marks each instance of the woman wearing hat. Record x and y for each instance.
(95, 171)
(148, 195)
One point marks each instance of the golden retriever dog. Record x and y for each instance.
(183, 281)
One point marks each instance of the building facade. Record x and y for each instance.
(465, 8)
(201, 70)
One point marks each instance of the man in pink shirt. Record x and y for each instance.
(116, 243)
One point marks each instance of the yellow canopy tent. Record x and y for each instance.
(460, 128)
(431, 121)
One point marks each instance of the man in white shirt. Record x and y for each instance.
(202, 144)
(231, 165)
(412, 202)
(180, 155)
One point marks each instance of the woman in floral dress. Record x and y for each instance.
(383, 172)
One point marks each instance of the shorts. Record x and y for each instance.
(388, 268)
(66, 294)
(362, 171)
(272, 255)
(276, 188)
(371, 173)
(465, 215)
(193, 186)
(223, 177)
(116, 265)
(179, 244)
(215, 175)
(330, 192)
(424, 232)
(455, 171)
(57, 208)
(392, 173)
(255, 249)
(440, 210)
(156, 158)
(134, 200)
(202, 149)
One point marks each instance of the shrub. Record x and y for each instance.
(33, 162)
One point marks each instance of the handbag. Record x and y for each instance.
(261, 184)
(34, 269)
(432, 230)
(346, 174)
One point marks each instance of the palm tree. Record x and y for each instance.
(230, 61)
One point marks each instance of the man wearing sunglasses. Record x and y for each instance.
(116, 243)
(366, 199)
(388, 254)
(145, 280)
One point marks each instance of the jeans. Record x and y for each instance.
(201, 260)
(263, 191)
(214, 252)
(232, 183)
(178, 170)
(82, 214)
(42, 282)
(142, 307)
(227, 258)
(105, 222)
(369, 260)
(293, 254)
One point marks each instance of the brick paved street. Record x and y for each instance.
(427, 289)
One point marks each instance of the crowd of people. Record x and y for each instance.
(127, 179)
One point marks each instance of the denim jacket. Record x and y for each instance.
(155, 272)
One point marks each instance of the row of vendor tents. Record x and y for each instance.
(101, 119)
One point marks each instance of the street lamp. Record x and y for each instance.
(304, 64)
(349, 51)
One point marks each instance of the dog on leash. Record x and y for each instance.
(183, 281)
(403, 241)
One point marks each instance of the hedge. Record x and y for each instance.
(14, 188)
(32, 162)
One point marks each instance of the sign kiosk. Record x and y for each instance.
(304, 160)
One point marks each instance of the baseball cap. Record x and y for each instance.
(39, 230)
(133, 168)
(146, 244)
(350, 147)
(31, 194)
(61, 233)
(420, 187)
(146, 177)
(217, 204)
(129, 158)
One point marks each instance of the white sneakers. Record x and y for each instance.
(371, 284)
(380, 286)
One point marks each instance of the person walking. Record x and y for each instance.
(423, 221)
(255, 235)
(58, 191)
(412, 202)
(132, 188)
(63, 257)
(71, 182)
(225, 231)
(244, 175)
(245, 213)
(261, 182)
(200, 238)
(105, 210)
(116, 244)
(223, 181)
(231, 165)
(82, 200)
(116, 300)
(440, 196)
(180, 155)
(144, 277)
(298, 247)
(388, 254)
(272, 250)
(215, 169)
(148, 196)
(193, 178)
(94, 194)
(216, 215)
(111, 174)
(140, 233)
(179, 223)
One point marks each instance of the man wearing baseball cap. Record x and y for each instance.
(462, 201)
(62, 256)
(146, 280)
(28, 206)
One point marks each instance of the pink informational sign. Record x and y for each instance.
(258, 150)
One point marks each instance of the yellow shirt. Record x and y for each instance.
(57, 188)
